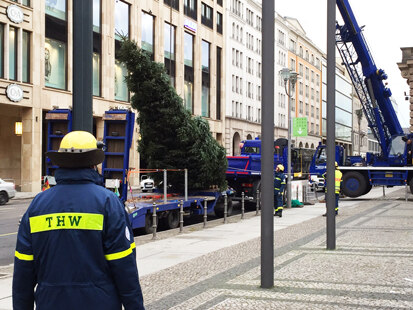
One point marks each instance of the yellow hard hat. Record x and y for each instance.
(336, 164)
(280, 167)
(78, 149)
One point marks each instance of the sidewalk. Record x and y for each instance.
(219, 267)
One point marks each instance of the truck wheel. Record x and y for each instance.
(219, 207)
(3, 198)
(172, 219)
(149, 223)
(368, 188)
(354, 184)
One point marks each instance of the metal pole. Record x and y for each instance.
(181, 216)
(154, 226)
(242, 205)
(331, 133)
(82, 99)
(205, 212)
(267, 151)
(257, 210)
(165, 187)
(384, 192)
(406, 192)
(225, 208)
(289, 146)
(186, 184)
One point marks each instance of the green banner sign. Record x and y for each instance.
(300, 127)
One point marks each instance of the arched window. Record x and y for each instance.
(235, 144)
(306, 145)
(300, 145)
(249, 137)
(312, 145)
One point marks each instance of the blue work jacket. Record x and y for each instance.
(76, 244)
(279, 183)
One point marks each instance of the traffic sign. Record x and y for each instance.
(300, 127)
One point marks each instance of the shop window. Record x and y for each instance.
(56, 44)
(1, 50)
(55, 64)
(121, 29)
(56, 8)
(97, 48)
(12, 53)
(26, 57)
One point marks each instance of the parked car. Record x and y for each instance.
(147, 183)
(7, 191)
(317, 183)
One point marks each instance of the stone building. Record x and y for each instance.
(406, 68)
(36, 50)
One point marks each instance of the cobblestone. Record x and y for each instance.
(370, 269)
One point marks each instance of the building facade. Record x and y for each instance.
(305, 59)
(343, 110)
(36, 51)
(406, 68)
(243, 67)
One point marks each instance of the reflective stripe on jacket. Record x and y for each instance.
(279, 183)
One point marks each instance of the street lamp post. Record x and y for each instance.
(291, 77)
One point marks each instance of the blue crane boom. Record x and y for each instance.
(367, 79)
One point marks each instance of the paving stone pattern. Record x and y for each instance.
(371, 268)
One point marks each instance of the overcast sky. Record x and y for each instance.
(388, 27)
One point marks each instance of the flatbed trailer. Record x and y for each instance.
(141, 207)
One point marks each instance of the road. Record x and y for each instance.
(10, 215)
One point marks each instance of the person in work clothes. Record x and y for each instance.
(75, 246)
(279, 185)
(337, 179)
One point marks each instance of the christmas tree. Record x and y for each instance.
(170, 137)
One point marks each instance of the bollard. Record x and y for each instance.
(181, 216)
(406, 192)
(242, 205)
(304, 193)
(154, 226)
(384, 192)
(225, 208)
(258, 202)
(205, 212)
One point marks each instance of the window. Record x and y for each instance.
(55, 44)
(172, 3)
(169, 51)
(97, 47)
(12, 53)
(148, 22)
(56, 8)
(190, 8)
(121, 28)
(307, 74)
(218, 81)
(206, 15)
(26, 57)
(188, 71)
(292, 46)
(219, 22)
(1, 50)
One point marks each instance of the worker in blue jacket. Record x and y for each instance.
(75, 241)
(279, 185)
